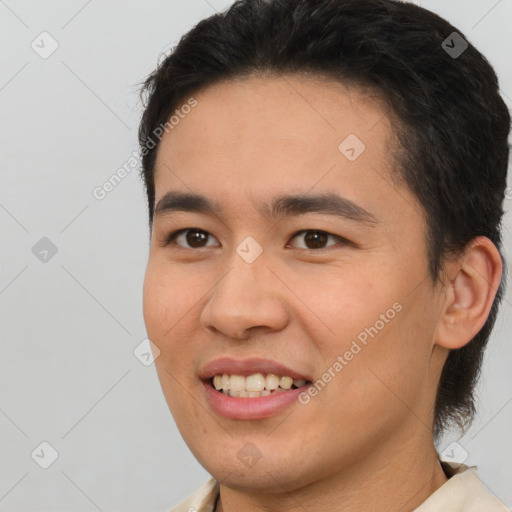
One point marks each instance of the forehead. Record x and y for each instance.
(260, 135)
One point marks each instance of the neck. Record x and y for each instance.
(400, 479)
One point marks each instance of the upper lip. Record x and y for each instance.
(247, 367)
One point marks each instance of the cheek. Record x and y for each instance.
(168, 298)
(388, 376)
(169, 312)
(168, 308)
(379, 328)
(346, 301)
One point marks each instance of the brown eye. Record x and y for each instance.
(196, 238)
(315, 239)
(190, 238)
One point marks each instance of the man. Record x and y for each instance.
(325, 183)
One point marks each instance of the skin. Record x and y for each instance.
(365, 441)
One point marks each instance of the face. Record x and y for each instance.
(310, 265)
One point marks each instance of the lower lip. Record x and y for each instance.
(256, 408)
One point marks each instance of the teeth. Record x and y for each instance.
(272, 381)
(238, 393)
(254, 385)
(255, 382)
(237, 383)
(286, 382)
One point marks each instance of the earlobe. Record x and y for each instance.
(473, 281)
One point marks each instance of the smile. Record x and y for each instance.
(255, 385)
(253, 388)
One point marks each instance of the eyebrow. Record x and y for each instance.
(283, 205)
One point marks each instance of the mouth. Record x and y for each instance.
(251, 389)
(255, 385)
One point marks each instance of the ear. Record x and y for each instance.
(472, 282)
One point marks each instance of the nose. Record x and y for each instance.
(248, 298)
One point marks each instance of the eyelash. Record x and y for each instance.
(172, 236)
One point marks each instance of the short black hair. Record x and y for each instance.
(451, 123)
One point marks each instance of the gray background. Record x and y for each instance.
(69, 325)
